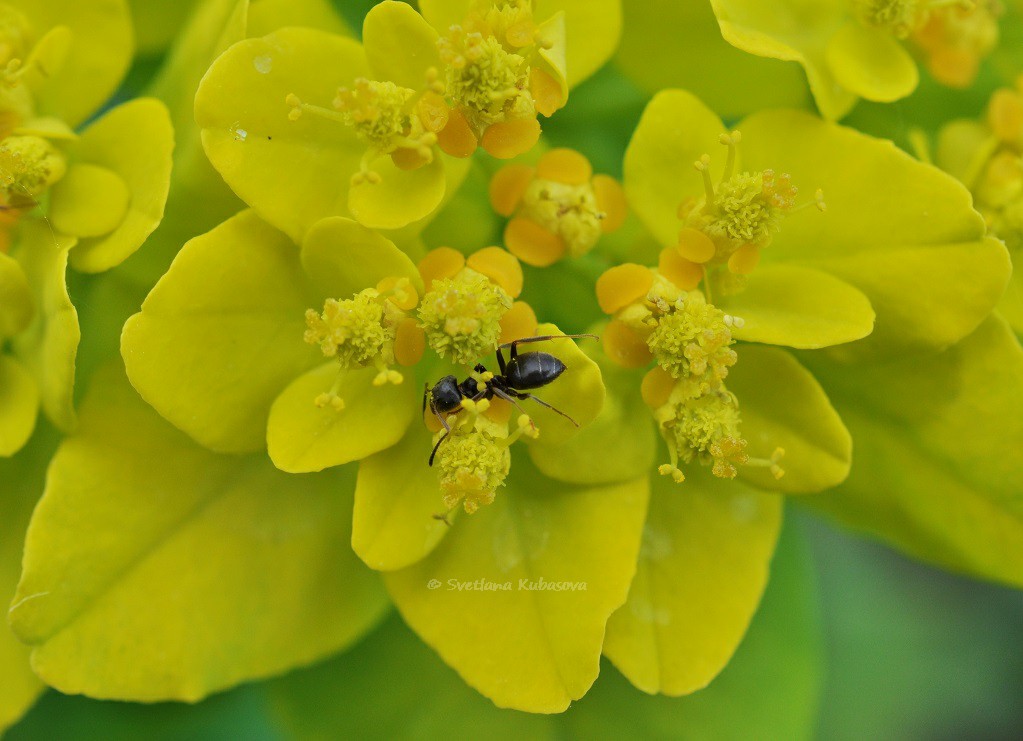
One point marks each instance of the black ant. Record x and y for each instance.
(520, 374)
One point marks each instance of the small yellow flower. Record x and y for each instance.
(467, 300)
(954, 38)
(371, 328)
(855, 49)
(731, 223)
(558, 208)
(499, 73)
(987, 156)
(474, 457)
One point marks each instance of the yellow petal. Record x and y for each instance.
(292, 173)
(500, 266)
(871, 63)
(533, 529)
(702, 570)
(791, 412)
(532, 243)
(507, 187)
(16, 303)
(621, 285)
(89, 201)
(400, 44)
(302, 437)
(19, 406)
(134, 141)
(396, 498)
(675, 130)
(48, 346)
(98, 56)
(799, 307)
(564, 166)
(342, 257)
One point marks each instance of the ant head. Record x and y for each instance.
(445, 396)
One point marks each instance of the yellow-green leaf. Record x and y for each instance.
(707, 546)
(213, 569)
(303, 437)
(425, 699)
(22, 478)
(937, 453)
(901, 231)
(783, 406)
(578, 392)
(799, 307)
(221, 334)
(527, 646)
(925, 297)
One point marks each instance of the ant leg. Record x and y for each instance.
(541, 402)
(436, 447)
(514, 344)
(502, 395)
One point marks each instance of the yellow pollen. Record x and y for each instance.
(475, 457)
(471, 466)
(359, 332)
(743, 211)
(691, 340)
(704, 429)
(28, 166)
(462, 315)
(384, 116)
(486, 81)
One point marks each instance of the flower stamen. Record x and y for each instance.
(361, 332)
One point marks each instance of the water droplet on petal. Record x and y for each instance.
(263, 64)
